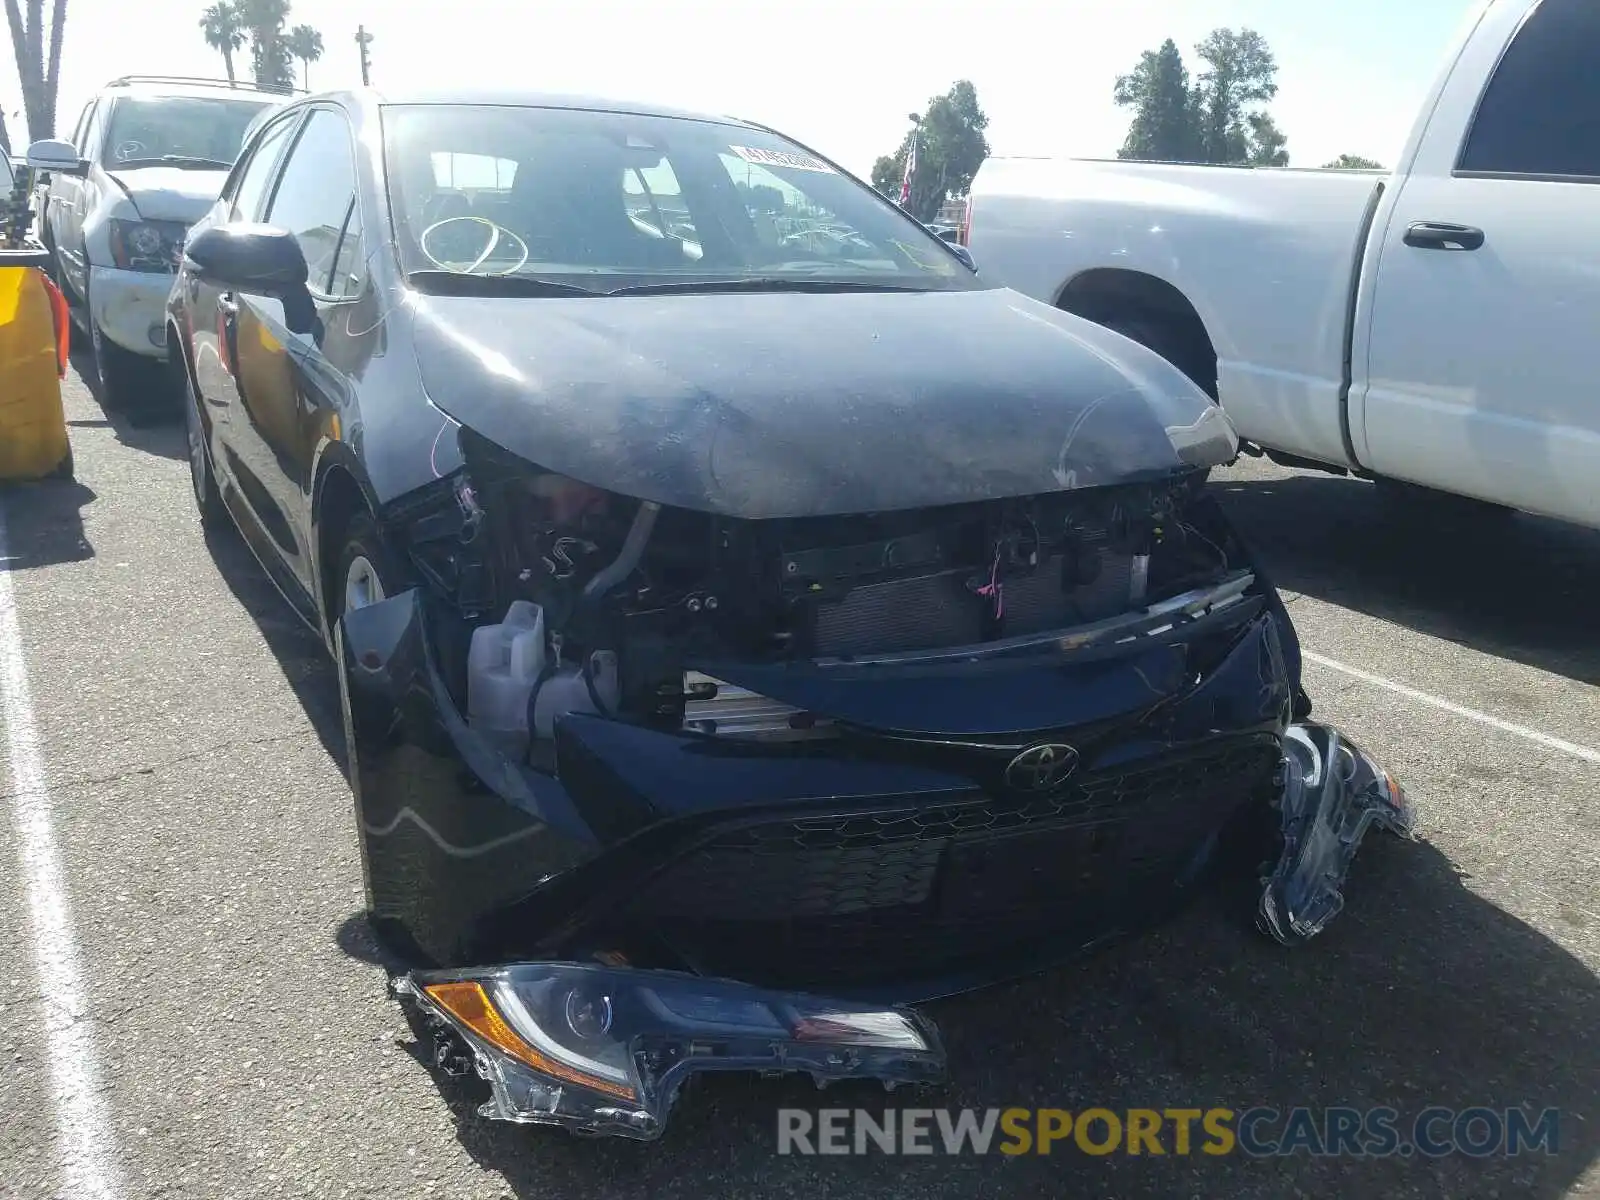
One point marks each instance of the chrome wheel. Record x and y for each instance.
(362, 587)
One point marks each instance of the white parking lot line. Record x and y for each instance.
(89, 1161)
(1471, 714)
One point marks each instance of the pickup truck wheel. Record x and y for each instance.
(1153, 335)
(1426, 502)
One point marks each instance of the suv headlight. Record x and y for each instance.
(153, 246)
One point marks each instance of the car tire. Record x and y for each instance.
(367, 571)
(207, 492)
(117, 371)
(1149, 334)
(1154, 334)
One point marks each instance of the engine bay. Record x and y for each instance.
(563, 596)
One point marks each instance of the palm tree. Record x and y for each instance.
(305, 43)
(224, 31)
(269, 57)
(37, 49)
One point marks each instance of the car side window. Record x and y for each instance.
(312, 199)
(82, 127)
(250, 188)
(1540, 114)
(91, 131)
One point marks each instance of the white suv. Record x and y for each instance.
(147, 159)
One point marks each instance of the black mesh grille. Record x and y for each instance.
(869, 893)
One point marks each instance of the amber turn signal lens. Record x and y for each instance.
(470, 1005)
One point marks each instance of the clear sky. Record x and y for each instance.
(840, 75)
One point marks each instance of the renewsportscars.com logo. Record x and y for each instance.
(1259, 1132)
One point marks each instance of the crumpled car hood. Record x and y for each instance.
(170, 194)
(803, 404)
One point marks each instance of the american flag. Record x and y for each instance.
(911, 167)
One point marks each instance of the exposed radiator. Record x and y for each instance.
(924, 612)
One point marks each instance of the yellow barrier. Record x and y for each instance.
(33, 427)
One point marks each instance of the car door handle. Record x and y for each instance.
(1441, 235)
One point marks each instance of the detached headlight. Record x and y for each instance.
(153, 246)
(606, 1049)
(1333, 792)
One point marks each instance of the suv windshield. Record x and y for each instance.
(605, 200)
(201, 129)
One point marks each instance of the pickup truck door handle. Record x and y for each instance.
(1440, 235)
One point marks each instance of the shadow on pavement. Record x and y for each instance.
(156, 428)
(1420, 994)
(300, 653)
(44, 523)
(1514, 586)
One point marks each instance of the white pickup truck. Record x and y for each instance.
(1438, 326)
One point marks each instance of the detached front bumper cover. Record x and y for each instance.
(1333, 793)
(602, 1049)
(606, 1050)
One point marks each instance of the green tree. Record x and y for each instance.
(951, 148)
(1267, 141)
(1163, 128)
(224, 32)
(37, 50)
(1240, 74)
(1353, 162)
(305, 43)
(1220, 118)
(270, 60)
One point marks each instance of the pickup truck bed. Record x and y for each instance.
(1434, 325)
(1271, 339)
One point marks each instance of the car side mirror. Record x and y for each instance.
(262, 259)
(964, 255)
(245, 257)
(56, 156)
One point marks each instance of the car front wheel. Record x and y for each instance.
(123, 376)
(367, 573)
(207, 495)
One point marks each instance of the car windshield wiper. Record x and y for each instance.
(176, 160)
(760, 283)
(459, 283)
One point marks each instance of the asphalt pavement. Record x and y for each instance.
(191, 1006)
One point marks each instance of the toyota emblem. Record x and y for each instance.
(1041, 768)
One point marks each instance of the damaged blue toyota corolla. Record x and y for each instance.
(749, 620)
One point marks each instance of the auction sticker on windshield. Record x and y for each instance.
(782, 158)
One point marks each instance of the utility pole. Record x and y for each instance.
(364, 39)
